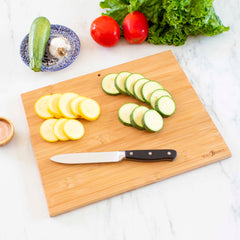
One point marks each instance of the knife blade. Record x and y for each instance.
(104, 157)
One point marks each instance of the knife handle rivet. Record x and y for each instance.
(150, 153)
(168, 153)
(131, 153)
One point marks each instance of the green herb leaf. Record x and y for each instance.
(116, 9)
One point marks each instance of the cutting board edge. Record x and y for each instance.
(102, 70)
(40, 174)
(54, 213)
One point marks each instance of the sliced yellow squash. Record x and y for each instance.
(58, 129)
(73, 129)
(89, 109)
(41, 107)
(64, 105)
(46, 130)
(53, 105)
(75, 103)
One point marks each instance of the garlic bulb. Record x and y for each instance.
(59, 47)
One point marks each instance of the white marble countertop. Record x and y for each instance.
(202, 204)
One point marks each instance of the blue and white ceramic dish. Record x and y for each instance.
(50, 63)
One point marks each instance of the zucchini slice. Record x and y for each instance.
(89, 109)
(73, 129)
(130, 81)
(148, 88)
(137, 87)
(152, 121)
(166, 106)
(108, 84)
(41, 107)
(120, 82)
(136, 117)
(124, 113)
(58, 129)
(53, 105)
(46, 130)
(64, 105)
(156, 95)
(75, 105)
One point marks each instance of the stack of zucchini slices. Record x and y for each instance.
(61, 112)
(146, 91)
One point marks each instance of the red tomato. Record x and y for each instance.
(105, 31)
(135, 27)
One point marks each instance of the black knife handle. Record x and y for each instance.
(152, 155)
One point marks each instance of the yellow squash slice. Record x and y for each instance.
(58, 129)
(75, 103)
(64, 105)
(89, 109)
(41, 107)
(46, 130)
(73, 129)
(53, 105)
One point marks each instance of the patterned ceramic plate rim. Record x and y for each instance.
(51, 64)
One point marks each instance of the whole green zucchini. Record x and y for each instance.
(38, 37)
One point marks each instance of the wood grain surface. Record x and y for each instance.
(190, 131)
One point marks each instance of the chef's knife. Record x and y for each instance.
(103, 157)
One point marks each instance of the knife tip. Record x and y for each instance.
(53, 158)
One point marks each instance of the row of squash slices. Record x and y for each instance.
(61, 112)
(145, 90)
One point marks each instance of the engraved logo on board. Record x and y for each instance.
(212, 153)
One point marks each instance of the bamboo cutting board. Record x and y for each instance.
(190, 131)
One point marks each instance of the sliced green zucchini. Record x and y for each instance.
(125, 111)
(148, 88)
(131, 79)
(156, 95)
(166, 106)
(108, 84)
(152, 121)
(137, 88)
(120, 82)
(136, 117)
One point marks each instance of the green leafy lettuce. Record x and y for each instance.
(170, 21)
